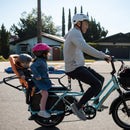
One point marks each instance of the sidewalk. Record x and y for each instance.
(99, 66)
(104, 67)
(4, 65)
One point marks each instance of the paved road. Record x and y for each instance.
(14, 114)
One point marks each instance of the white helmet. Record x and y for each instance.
(79, 17)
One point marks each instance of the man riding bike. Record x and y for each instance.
(74, 47)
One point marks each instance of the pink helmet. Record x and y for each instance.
(40, 48)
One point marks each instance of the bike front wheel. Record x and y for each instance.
(121, 115)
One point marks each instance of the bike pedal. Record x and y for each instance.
(100, 110)
(68, 112)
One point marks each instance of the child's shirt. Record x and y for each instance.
(40, 69)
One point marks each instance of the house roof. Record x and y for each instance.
(117, 38)
(128, 34)
(54, 37)
(49, 36)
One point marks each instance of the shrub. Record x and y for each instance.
(2, 58)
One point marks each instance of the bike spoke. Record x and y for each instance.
(122, 114)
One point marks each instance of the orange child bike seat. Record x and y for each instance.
(13, 58)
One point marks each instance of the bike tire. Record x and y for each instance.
(119, 113)
(127, 88)
(56, 118)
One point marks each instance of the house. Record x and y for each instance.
(13, 38)
(25, 45)
(118, 45)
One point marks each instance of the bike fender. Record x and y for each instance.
(127, 94)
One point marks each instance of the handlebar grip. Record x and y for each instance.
(113, 66)
(106, 59)
(112, 58)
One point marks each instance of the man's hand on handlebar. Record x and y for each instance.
(108, 58)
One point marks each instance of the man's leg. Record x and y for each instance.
(99, 77)
(84, 75)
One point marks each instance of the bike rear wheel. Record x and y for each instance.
(55, 118)
(120, 115)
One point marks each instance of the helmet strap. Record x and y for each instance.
(80, 27)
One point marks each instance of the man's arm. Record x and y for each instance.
(79, 41)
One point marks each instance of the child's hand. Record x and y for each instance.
(39, 78)
(22, 77)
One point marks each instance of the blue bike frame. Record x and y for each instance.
(63, 94)
(67, 92)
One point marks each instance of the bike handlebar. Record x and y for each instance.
(113, 66)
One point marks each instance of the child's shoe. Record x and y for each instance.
(44, 114)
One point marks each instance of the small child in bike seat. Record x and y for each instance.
(22, 65)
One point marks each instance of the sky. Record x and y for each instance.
(113, 15)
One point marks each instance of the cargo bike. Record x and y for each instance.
(61, 97)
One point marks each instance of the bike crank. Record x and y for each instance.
(90, 112)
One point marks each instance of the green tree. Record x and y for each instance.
(81, 11)
(4, 42)
(95, 31)
(28, 25)
(69, 20)
(75, 10)
(63, 22)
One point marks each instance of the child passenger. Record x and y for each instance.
(22, 64)
(39, 69)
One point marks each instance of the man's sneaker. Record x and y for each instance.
(77, 112)
(44, 114)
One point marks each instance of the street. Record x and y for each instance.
(14, 111)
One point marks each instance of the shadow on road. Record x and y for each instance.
(71, 121)
(1, 82)
(46, 128)
(54, 128)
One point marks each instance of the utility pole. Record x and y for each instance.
(39, 23)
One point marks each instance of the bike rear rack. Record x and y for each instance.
(55, 87)
(5, 80)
